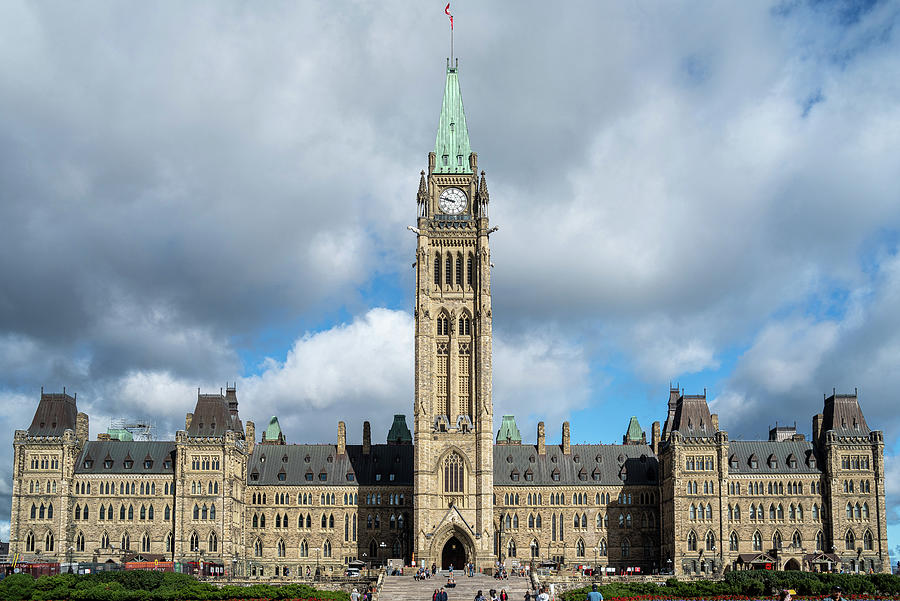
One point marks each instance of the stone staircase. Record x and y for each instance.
(405, 588)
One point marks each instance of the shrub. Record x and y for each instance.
(17, 587)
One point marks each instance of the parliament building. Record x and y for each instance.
(688, 500)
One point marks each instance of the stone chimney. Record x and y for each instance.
(715, 421)
(654, 437)
(367, 438)
(342, 439)
(249, 435)
(82, 430)
(817, 428)
(541, 445)
(566, 444)
(187, 421)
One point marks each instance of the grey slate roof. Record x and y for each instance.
(742, 450)
(55, 414)
(843, 415)
(267, 461)
(692, 417)
(212, 416)
(118, 451)
(638, 461)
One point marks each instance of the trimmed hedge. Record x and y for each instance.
(750, 584)
(140, 585)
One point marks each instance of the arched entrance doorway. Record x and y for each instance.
(454, 554)
(792, 564)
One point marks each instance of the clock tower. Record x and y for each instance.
(453, 481)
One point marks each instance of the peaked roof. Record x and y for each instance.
(634, 432)
(843, 415)
(452, 135)
(273, 431)
(399, 432)
(213, 416)
(55, 414)
(508, 431)
(692, 417)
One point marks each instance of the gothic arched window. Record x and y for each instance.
(453, 473)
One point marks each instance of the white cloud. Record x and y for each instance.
(540, 375)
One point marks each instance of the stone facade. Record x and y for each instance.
(689, 500)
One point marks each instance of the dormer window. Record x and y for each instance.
(754, 462)
(254, 476)
(350, 477)
(88, 464)
(792, 462)
(128, 464)
(446, 158)
(514, 475)
(167, 464)
(282, 476)
(595, 475)
(377, 477)
(554, 475)
(773, 462)
(323, 476)
(459, 158)
(309, 476)
(284, 459)
(529, 475)
(733, 462)
(148, 463)
(307, 459)
(107, 463)
(391, 477)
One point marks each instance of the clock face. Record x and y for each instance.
(452, 201)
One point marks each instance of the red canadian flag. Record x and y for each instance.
(447, 12)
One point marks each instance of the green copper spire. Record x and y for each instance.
(509, 432)
(273, 431)
(451, 149)
(399, 432)
(634, 433)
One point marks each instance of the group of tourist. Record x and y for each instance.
(493, 595)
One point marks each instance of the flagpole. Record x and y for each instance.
(451, 43)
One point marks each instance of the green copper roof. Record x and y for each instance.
(119, 434)
(508, 431)
(273, 431)
(399, 431)
(451, 149)
(634, 430)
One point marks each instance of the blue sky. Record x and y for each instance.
(694, 194)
